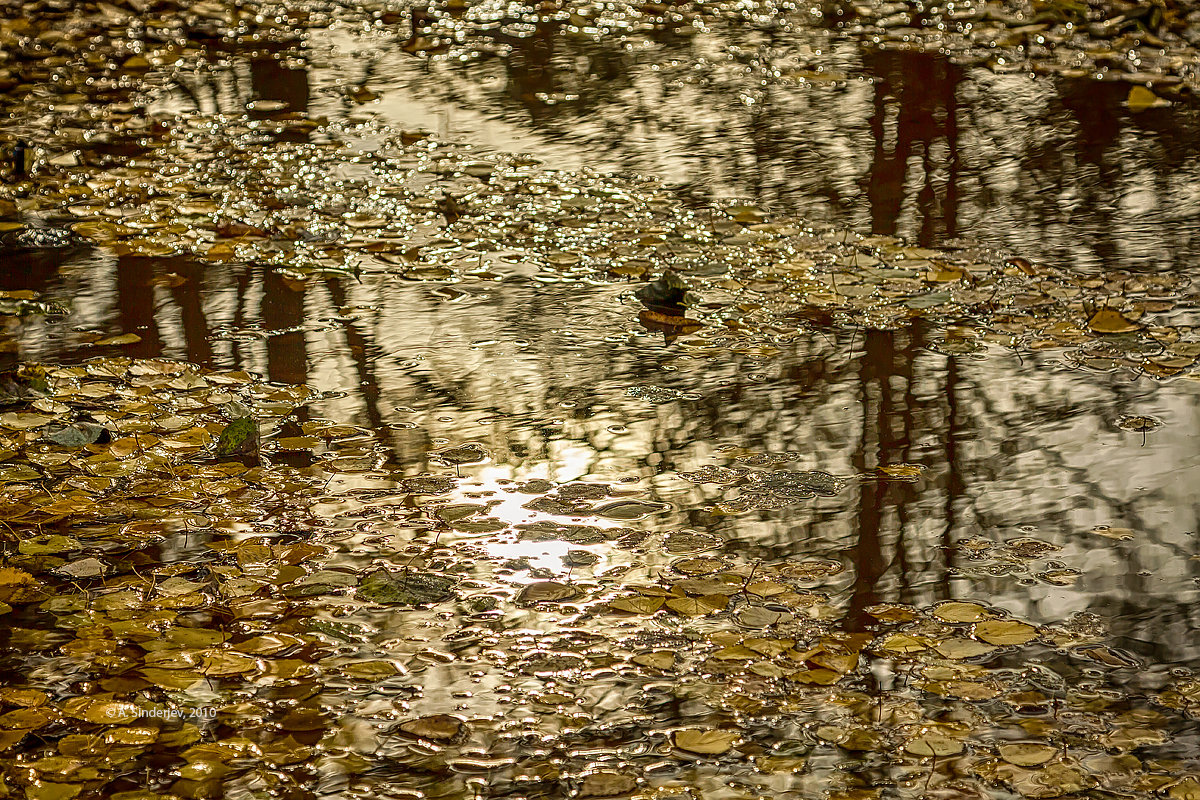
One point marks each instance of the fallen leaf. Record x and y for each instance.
(1004, 632)
(121, 339)
(1140, 99)
(933, 744)
(438, 728)
(706, 742)
(1027, 754)
(1108, 320)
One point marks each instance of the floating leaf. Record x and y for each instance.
(22, 420)
(410, 587)
(903, 472)
(932, 743)
(47, 790)
(900, 643)
(83, 568)
(100, 710)
(1027, 754)
(607, 784)
(706, 742)
(437, 728)
(662, 659)
(361, 94)
(698, 606)
(1140, 99)
(17, 586)
(239, 437)
(630, 509)
(1186, 789)
(1004, 632)
(1138, 423)
(962, 648)
(116, 341)
(1108, 320)
(1109, 532)
(48, 544)
(820, 677)
(78, 434)
(956, 611)
(636, 605)
(547, 592)
(470, 453)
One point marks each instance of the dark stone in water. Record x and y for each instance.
(665, 295)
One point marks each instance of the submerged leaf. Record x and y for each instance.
(1027, 754)
(79, 434)
(637, 605)
(547, 592)
(438, 728)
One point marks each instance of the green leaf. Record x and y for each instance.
(238, 437)
(48, 544)
(410, 587)
(79, 434)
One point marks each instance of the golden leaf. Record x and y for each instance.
(706, 742)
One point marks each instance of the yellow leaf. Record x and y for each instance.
(20, 421)
(766, 588)
(660, 659)
(735, 653)
(955, 611)
(1003, 632)
(226, 662)
(1140, 98)
(547, 592)
(177, 679)
(962, 648)
(1186, 789)
(902, 471)
(900, 643)
(934, 744)
(963, 690)
(637, 605)
(101, 710)
(705, 742)
(298, 442)
(122, 339)
(838, 662)
(698, 606)
(124, 447)
(820, 677)
(1027, 754)
(438, 728)
(44, 790)
(1108, 320)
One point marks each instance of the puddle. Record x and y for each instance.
(364, 464)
